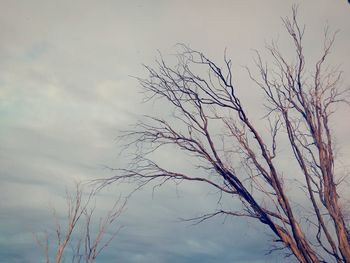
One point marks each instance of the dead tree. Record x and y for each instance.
(76, 234)
(236, 156)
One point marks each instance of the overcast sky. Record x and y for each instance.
(66, 91)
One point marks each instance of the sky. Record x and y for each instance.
(67, 90)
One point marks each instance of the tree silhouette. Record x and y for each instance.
(75, 233)
(234, 155)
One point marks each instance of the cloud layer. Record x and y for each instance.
(66, 90)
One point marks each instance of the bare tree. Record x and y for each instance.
(237, 157)
(85, 244)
